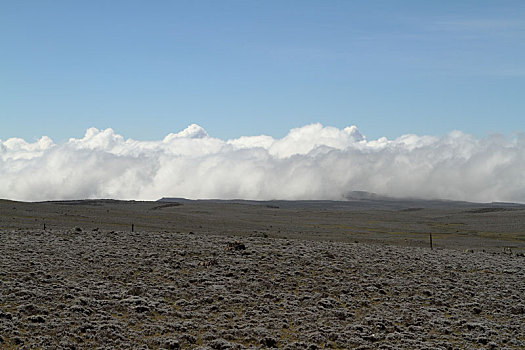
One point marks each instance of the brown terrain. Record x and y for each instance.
(176, 274)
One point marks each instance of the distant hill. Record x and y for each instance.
(361, 200)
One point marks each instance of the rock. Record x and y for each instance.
(36, 319)
(208, 263)
(141, 308)
(427, 292)
(6, 315)
(328, 254)
(492, 345)
(269, 342)
(190, 339)
(483, 340)
(517, 310)
(136, 291)
(220, 344)
(28, 309)
(327, 303)
(172, 344)
(236, 246)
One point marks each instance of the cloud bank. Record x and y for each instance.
(310, 162)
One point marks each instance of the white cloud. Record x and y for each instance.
(311, 162)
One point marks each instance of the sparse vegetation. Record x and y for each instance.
(67, 288)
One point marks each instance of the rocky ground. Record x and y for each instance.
(85, 289)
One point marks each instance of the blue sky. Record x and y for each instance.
(147, 68)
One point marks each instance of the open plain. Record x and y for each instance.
(239, 274)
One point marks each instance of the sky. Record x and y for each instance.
(254, 85)
(147, 68)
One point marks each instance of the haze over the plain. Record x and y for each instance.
(310, 162)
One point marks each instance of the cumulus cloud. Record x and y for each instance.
(310, 162)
